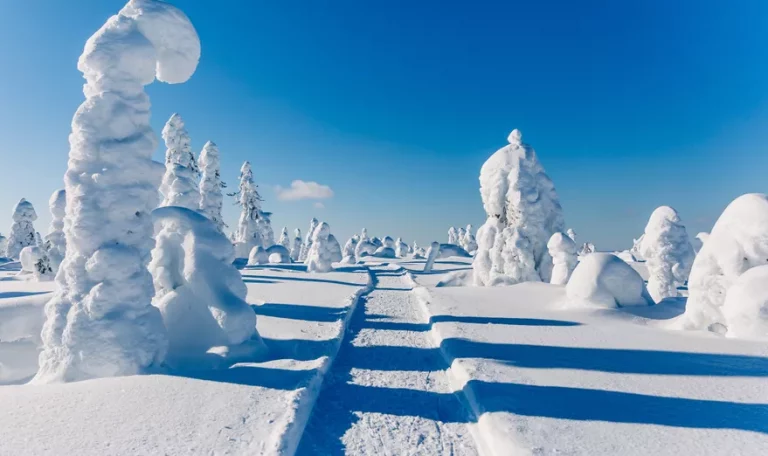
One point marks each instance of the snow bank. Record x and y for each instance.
(211, 197)
(737, 243)
(603, 280)
(23, 232)
(55, 242)
(668, 253)
(101, 322)
(200, 294)
(563, 251)
(179, 186)
(320, 255)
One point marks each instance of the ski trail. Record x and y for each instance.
(368, 406)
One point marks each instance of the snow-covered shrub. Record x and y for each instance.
(179, 186)
(604, 280)
(738, 242)
(211, 197)
(401, 248)
(571, 234)
(284, 240)
(365, 248)
(279, 254)
(100, 321)
(308, 240)
(23, 232)
(453, 235)
(320, 255)
(452, 250)
(668, 253)
(266, 233)
(434, 250)
(248, 234)
(746, 305)
(563, 251)
(34, 260)
(258, 256)
(348, 254)
(298, 244)
(385, 252)
(516, 194)
(513, 260)
(200, 294)
(55, 242)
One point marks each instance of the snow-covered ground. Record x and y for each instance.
(421, 369)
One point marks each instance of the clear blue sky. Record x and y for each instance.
(396, 105)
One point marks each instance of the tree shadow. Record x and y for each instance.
(300, 312)
(21, 294)
(421, 327)
(251, 375)
(250, 278)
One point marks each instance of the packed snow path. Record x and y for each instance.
(367, 407)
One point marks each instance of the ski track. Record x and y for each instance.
(365, 408)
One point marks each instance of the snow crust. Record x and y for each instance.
(604, 280)
(668, 253)
(452, 250)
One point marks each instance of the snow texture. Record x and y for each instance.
(320, 255)
(432, 253)
(284, 240)
(298, 245)
(517, 194)
(563, 251)
(737, 243)
(513, 259)
(55, 242)
(335, 248)
(746, 305)
(199, 292)
(101, 322)
(604, 280)
(308, 240)
(211, 196)
(248, 234)
(668, 253)
(258, 256)
(23, 232)
(179, 186)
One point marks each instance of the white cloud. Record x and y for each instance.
(319, 205)
(300, 190)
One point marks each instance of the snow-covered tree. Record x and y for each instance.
(571, 234)
(258, 256)
(364, 235)
(34, 260)
(55, 242)
(284, 240)
(469, 243)
(3, 244)
(319, 257)
(432, 253)
(179, 186)
(513, 259)
(100, 321)
(453, 235)
(365, 248)
(668, 253)
(335, 249)
(388, 242)
(248, 234)
(348, 253)
(23, 232)
(637, 248)
(460, 234)
(401, 248)
(298, 245)
(516, 194)
(563, 251)
(586, 249)
(211, 196)
(266, 233)
(308, 240)
(414, 247)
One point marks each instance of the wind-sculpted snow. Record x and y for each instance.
(55, 242)
(321, 252)
(23, 232)
(563, 251)
(668, 253)
(604, 280)
(179, 186)
(211, 197)
(200, 294)
(101, 322)
(737, 243)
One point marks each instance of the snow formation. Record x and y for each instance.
(401, 248)
(23, 232)
(211, 196)
(320, 255)
(388, 242)
(517, 195)
(452, 250)
(335, 248)
(266, 233)
(279, 254)
(385, 252)
(604, 280)
(55, 242)
(668, 253)
(453, 235)
(348, 253)
(308, 240)
(298, 245)
(248, 234)
(513, 259)
(179, 186)
(563, 251)
(34, 260)
(468, 242)
(284, 240)
(258, 256)
(586, 249)
(365, 248)
(432, 253)
(571, 234)
(3, 245)
(101, 322)
(746, 305)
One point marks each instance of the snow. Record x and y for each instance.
(737, 243)
(453, 235)
(23, 229)
(258, 256)
(320, 255)
(298, 245)
(451, 250)
(279, 254)
(55, 242)
(179, 186)
(401, 248)
(668, 253)
(385, 252)
(432, 254)
(563, 251)
(335, 249)
(349, 255)
(34, 260)
(746, 305)
(211, 197)
(248, 234)
(308, 241)
(365, 248)
(284, 240)
(604, 280)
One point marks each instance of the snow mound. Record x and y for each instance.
(385, 252)
(563, 251)
(626, 256)
(451, 250)
(365, 248)
(200, 294)
(279, 254)
(35, 261)
(746, 305)
(604, 280)
(456, 279)
(258, 256)
(737, 243)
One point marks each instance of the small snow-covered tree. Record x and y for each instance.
(55, 243)
(364, 235)
(335, 249)
(388, 242)
(586, 249)
(453, 235)
(100, 322)
(401, 248)
(179, 186)
(319, 257)
(668, 253)
(308, 240)
(23, 232)
(571, 234)
(469, 243)
(3, 244)
(563, 251)
(266, 233)
(298, 245)
(460, 233)
(513, 258)
(432, 254)
(34, 260)
(211, 197)
(348, 253)
(248, 234)
(284, 240)
(414, 247)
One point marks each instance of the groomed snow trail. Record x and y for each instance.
(369, 405)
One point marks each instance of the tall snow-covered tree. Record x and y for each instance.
(298, 245)
(23, 232)
(55, 241)
(266, 233)
(668, 253)
(453, 235)
(179, 186)
(248, 234)
(309, 239)
(516, 194)
(211, 197)
(348, 253)
(284, 240)
(320, 255)
(101, 321)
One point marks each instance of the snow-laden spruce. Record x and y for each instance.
(298, 245)
(248, 234)
(468, 242)
(23, 232)
(348, 253)
(211, 196)
(179, 186)
(308, 240)
(320, 255)
(266, 233)
(453, 235)
(563, 251)
(737, 243)
(401, 248)
(668, 253)
(199, 292)
(55, 242)
(517, 195)
(284, 240)
(101, 321)
(604, 280)
(335, 248)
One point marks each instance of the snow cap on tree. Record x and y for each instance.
(179, 186)
(668, 253)
(23, 232)
(211, 196)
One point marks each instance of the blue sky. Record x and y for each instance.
(396, 105)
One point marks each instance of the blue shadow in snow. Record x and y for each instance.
(251, 375)
(251, 278)
(420, 327)
(300, 312)
(21, 294)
